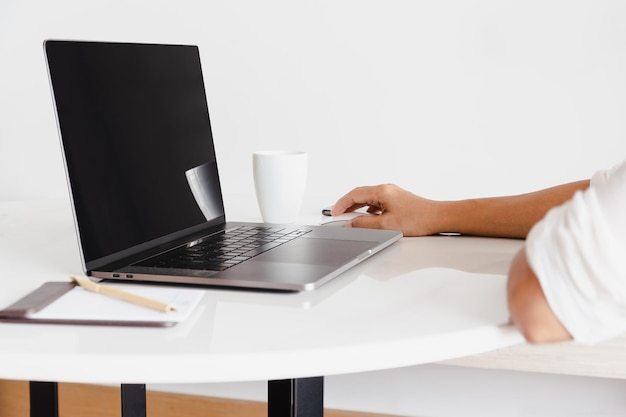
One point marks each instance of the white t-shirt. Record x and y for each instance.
(578, 252)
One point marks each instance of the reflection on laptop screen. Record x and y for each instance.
(137, 138)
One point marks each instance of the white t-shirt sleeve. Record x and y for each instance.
(578, 252)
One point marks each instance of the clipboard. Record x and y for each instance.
(68, 303)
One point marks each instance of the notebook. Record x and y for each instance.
(66, 303)
(143, 177)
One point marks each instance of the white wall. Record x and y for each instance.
(448, 98)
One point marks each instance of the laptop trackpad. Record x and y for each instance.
(313, 251)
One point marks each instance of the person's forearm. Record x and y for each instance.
(511, 216)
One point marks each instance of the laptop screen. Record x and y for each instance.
(137, 142)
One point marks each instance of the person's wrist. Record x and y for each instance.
(445, 217)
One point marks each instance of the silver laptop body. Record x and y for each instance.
(143, 178)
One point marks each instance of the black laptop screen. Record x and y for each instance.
(137, 142)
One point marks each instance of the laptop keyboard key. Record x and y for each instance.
(224, 250)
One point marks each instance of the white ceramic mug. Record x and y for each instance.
(279, 180)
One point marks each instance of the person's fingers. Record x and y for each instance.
(352, 201)
(341, 205)
(374, 210)
(340, 209)
(366, 222)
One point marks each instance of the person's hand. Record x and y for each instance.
(396, 209)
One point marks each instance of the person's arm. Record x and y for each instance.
(528, 306)
(510, 216)
(572, 267)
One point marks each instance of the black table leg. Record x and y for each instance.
(279, 398)
(44, 399)
(301, 397)
(133, 400)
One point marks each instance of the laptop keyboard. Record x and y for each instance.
(226, 249)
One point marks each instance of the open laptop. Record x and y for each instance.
(143, 177)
